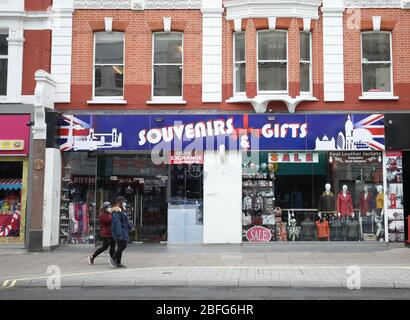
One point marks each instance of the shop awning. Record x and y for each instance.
(10, 184)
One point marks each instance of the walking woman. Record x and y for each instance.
(105, 219)
(120, 229)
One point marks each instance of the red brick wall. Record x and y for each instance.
(138, 61)
(37, 55)
(138, 55)
(37, 5)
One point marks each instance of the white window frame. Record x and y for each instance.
(235, 63)
(310, 92)
(108, 99)
(377, 94)
(3, 57)
(166, 99)
(275, 92)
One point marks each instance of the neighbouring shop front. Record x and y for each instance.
(14, 151)
(304, 177)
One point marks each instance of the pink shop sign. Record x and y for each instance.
(14, 135)
(258, 234)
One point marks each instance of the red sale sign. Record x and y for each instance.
(259, 234)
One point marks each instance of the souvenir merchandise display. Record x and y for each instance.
(395, 210)
(77, 209)
(258, 204)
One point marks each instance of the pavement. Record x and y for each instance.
(290, 265)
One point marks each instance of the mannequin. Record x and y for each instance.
(344, 202)
(323, 231)
(379, 200)
(366, 202)
(327, 200)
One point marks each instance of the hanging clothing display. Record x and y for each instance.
(79, 223)
(337, 230)
(323, 230)
(366, 203)
(352, 230)
(327, 202)
(345, 204)
(307, 230)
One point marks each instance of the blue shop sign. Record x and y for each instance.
(235, 132)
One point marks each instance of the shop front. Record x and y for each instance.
(164, 190)
(321, 181)
(14, 151)
(229, 178)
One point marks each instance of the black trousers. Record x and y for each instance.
(107, 242)
(121, 245)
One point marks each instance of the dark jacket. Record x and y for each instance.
(105, 225)
(120, 226)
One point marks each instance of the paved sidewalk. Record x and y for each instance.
(288, 265)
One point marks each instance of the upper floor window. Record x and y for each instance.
(305, 63)
(109, 65)
(239, 63)
(272, 62)
(4, 59)
(377, 63)
(167, 64)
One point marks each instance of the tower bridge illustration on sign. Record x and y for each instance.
(93, 141)
(358, 136)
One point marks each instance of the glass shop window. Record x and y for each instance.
(10, 198)
(78, 207)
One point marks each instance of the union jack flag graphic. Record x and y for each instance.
(374, 125)
(72, 129)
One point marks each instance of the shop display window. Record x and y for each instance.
(187, 187)
(11, 174)
(309, 196)
(78, 206)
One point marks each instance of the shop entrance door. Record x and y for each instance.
(144, 185)
(151, 211)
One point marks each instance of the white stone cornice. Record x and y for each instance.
(137, 4)
(263, 8)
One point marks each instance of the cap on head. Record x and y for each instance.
(106, 204)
